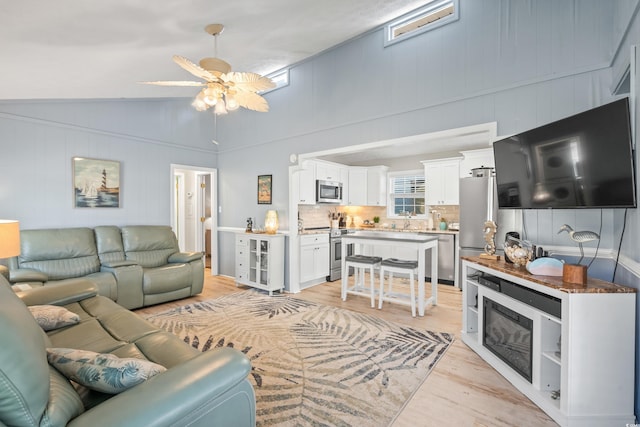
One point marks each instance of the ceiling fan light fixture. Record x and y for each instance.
(225, 90)
(232, 103)
(199, 102)
(210, 96)
(220, 108)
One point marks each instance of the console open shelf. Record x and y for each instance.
(581, 348)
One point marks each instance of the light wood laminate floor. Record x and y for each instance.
(462, 389)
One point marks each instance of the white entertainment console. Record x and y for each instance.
(582, 359)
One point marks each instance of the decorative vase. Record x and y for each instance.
(443, 225)
(519, 252)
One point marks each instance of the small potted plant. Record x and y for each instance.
(376, 220)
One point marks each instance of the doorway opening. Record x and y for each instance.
(193, 215)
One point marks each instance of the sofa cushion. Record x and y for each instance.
(109, 243)
(60, 253)
(149, 245)
(51, 317)
(102, 372)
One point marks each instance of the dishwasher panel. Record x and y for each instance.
(446, 259)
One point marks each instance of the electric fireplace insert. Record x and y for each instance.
(508, 335)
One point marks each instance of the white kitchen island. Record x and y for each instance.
(417, 242)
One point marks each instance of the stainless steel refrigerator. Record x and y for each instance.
(479, 203)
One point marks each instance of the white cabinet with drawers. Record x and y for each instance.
(314, 257)
(260, 261)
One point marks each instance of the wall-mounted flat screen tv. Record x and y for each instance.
(582, 161)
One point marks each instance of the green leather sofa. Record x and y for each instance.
(135, 266)
(197, 389)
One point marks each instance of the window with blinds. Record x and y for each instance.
(407, 195)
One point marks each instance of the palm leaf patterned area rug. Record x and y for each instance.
(313, 365)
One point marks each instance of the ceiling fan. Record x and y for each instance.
(223, 89)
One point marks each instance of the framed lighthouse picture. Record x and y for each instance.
(96, 183)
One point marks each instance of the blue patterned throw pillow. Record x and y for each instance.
(51, 317)
(102, 372)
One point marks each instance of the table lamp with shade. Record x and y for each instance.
(9, 238)
(9, 241)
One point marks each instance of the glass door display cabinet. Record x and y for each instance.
(260, 261)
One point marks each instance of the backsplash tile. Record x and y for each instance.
(318, 215)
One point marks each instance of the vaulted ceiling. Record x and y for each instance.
(88, 49)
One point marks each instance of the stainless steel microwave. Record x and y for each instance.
(328, 191)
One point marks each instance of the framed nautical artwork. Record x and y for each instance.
(96, 183)
(264, 189)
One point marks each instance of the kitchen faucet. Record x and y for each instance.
(407, 222)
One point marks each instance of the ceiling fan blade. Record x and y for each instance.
(194, 69)
(174, 83)
(250, 82)
(252, 101)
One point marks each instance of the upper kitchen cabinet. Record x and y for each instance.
(306, 177)
(357, 188)
(442, 181)
(367, 186)
(473, 159)
(326, 171)
(377, 186)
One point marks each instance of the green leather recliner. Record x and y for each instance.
(198, 389)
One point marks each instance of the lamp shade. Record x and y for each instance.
(271, 222)
(9, 238)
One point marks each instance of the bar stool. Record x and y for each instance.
(360, 263)
(394, 265)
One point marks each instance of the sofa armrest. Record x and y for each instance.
(27, 275)
(210, 389)
(117, 264)
(185, 257)
(62, 294)
(128, 281)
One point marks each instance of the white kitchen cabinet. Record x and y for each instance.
(473, 159)
(367, 186)
(377, 186)
(314, 257)
(260, 261)
(344, 179)
(328, 171)
(357, 194)
(306, 177)
(582, 345)
(442, 179)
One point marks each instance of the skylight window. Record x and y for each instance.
(434, 14)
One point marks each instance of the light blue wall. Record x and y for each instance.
(38, 139)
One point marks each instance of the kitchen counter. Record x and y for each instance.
(386, 230)
(411, 230)
(304, 232)
(419, 244)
